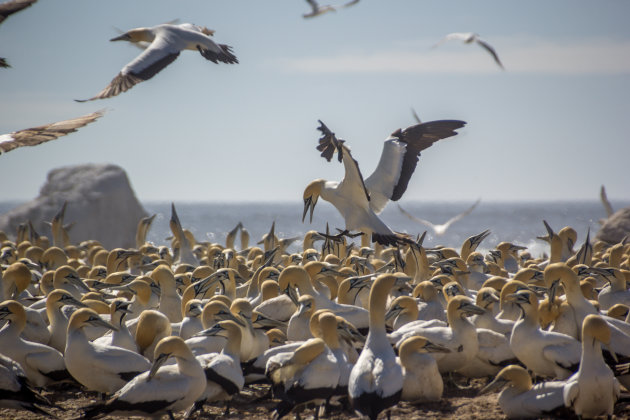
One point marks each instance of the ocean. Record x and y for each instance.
(516, 222)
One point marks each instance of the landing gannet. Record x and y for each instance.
(441, 229)
(376, 380)
(167, 41)
(593, 390)
(161, 390)
(469, 38)
(43, 133)
(358, 200)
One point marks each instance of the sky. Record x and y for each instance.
(552, 126)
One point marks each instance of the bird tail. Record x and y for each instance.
(225, 56)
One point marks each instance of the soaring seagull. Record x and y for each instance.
(359, 200)
(43, 133)
(317, 10)
(440, 229)
(166, 42)
(469, 38)
(8, 8)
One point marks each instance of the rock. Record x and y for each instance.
(101, 204)
(616, 227)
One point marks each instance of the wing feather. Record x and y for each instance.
(36, 135)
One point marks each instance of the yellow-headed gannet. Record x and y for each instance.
(593, 390)
(43, 364)
(167, 41)
(376, 380)
(522, 400)
(358, 200)
(99, 367)
(546, 353)
(162, 389)
(440, 230)
(469, 38)
(423, 381)
(43, 133)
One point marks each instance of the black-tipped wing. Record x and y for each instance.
(417, 138)
(9, 7)
(3, 63)
(604, 198)
(353, 181)
(36, 135)
(224, 54)
(491, 50)
(149, 63)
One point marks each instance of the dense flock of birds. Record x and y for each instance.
(335, 326)
(161, 329)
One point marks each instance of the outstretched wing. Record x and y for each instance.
(13, 6)
(36, 135)
(149, 63)
(491, 50)
(605, 202)
(400, 156)
(328, 143)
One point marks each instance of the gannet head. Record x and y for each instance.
(167, 347)
(86, 316)
(512, 374)
(597, 327)
(311, 194)
(419, 344)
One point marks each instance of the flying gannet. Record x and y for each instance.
(7, 9)
(440, 229)
(43, 133)
(167, 42)
(469, 38)
(359, 200)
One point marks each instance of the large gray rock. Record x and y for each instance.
(615, 227)
(101, 204)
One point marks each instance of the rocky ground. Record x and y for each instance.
(253, 404)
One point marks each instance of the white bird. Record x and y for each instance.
(423, 381)
(606, 203)
(167, 42)
(522, 400)
(469, 38)
(121, 337)
(162, 389)
(43, 133)
(317, 10)
(593, 390)
(43, 364)
(99, 367)
(546, 353)
(376, 380)
(223, 370)
(358, 200)
(15, 391)
(440, 230)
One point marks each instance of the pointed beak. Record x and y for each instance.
(123, 37)
(471, 309)
(496, 384)
(553, 290)
(435, 348)
(308, 204)
(393, 312)
(157, 363)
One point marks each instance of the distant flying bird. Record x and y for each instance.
(469, 38)
(43, 133)
(317, 10)
(350, 3)
(166, 43)
(8, 8)
(440, 230)
(358, 200)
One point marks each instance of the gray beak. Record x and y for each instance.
(159, 361)
(308, 204)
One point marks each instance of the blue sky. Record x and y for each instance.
(551, 126)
